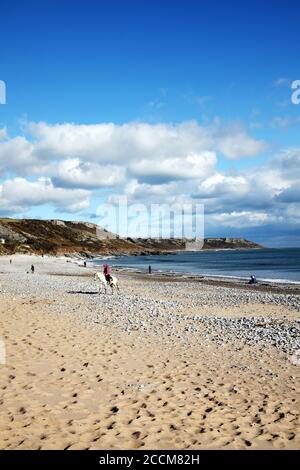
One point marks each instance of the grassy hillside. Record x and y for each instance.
(58, 237)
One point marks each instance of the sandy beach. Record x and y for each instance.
(166, 363)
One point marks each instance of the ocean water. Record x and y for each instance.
(281, 265)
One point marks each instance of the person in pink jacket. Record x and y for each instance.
(106, 272)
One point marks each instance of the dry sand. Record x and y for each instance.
(69, 385)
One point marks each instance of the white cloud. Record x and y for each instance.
(219, 185)
(149, 193)
(15, 154)
(140, 146)
(20, 194)
(240, 219)
(240, 145)
(75, 174)
(192, 166)
(162, 163)
(111, 143)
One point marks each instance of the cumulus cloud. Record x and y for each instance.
(160, 163)
(240, 145)
(192, 166)
(123, 144)
(111, 143)
(220, 185)
(19, 194)
(76, 174)
(15, 154)
(240, 219)
(147, 193)
(182, 145)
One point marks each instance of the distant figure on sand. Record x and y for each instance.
(10, 261)
(32, 269)
(106, 272)
(84, 264)
(253, 280)
(150, 269)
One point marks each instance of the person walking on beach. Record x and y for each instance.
(150, 269)
(32, 269)
(106, 272)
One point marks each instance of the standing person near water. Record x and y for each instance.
(106, 272)
(150, 269)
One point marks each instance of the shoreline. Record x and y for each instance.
(288, 287)
(265, 281)
(240, 280)
(230, 281)
(214, 281)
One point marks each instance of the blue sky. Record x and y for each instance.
(225, 67)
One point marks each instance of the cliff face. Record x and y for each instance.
(58, 237)
(184, 244)
(229, 243)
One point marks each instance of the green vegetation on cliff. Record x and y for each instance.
(59, 237)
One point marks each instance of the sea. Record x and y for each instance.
(270, 265)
